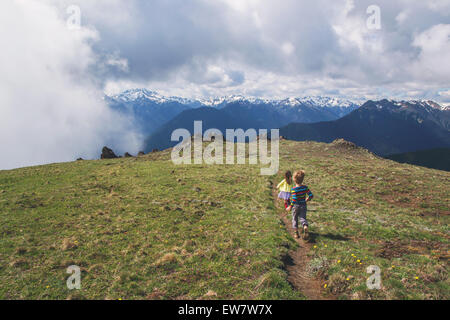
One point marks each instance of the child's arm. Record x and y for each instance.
(310, 195)
(279, 185)
(290, 204)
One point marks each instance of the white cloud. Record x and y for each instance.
(164, 42)
(113, 60)
(433, 62)
(439, 5)
(288, 48)
(402, 16)
(445, 93)
(51, 109)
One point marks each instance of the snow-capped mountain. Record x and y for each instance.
(138, 94)
(134, 95)
(246, 113)
(152, 96)
(156, 115)
(142, 95)
(222, 101)
(425, 104)
(149, 110)
(318, 101)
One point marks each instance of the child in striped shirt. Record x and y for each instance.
(300, 195)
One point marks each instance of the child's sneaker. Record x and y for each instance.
(296, 235)
(305, 232)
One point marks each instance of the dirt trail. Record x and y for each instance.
(297, 262)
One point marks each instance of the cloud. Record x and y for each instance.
(199, 45)
(433, 61)
(51, 107)
(52, 77)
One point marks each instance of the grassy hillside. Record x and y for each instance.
(371, 211)
(142, 228)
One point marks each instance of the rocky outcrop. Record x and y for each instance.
(344, 144)
(107, 153)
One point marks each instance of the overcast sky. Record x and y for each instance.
(54, 73)
(271, 48)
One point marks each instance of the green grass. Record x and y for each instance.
(143, 228)
(140, 229)
(371, 211)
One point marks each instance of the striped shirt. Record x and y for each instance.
(298, 195)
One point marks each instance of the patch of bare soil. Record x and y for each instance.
(396, 249)
(435, 214)
(409, 200)
(296, 264)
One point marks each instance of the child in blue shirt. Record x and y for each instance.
(300, 195)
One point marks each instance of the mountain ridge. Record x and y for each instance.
(240, 115)
(151, 112)
(142, 94)
(383, 127)
(438, 158)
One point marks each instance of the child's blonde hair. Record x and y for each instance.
(299, 177)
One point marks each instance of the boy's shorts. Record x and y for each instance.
(299, 211)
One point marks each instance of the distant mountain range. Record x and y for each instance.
(434, 158)
(151, 111)
(242, 115)
(147, 109)
(384, 127)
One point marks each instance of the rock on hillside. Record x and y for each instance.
(107, 153)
